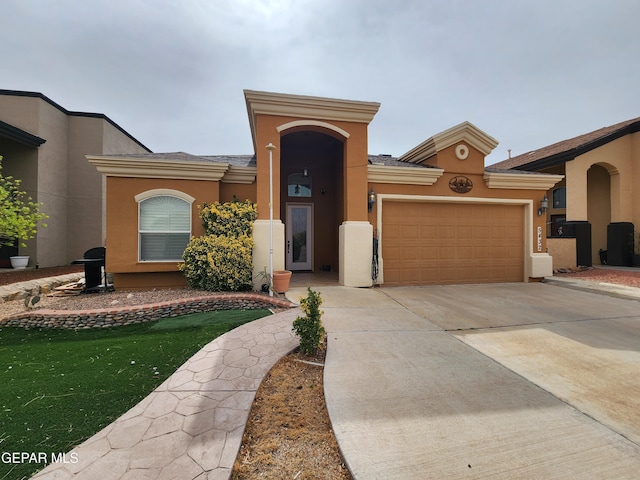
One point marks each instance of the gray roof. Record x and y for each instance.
(390, 161)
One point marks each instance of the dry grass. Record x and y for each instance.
(288, 434)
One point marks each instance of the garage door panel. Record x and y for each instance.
(434, 243)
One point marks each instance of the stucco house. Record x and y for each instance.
(436, 213)
(44, 145)
(597, 204)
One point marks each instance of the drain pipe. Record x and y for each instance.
(271, 147)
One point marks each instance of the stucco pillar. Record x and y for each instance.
(261, 249)
(356, 176)
(267, 134)
(576, 176)
(356, 251)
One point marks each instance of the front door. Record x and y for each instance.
(299, 246)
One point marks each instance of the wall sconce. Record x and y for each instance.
(305, 172)
(544, 205)
(371, 199)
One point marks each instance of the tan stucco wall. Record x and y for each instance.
(620, 158)
(122, 219)
(58, 175)
(480, 190)
(86, 193)
(52, 185)
(354, 167)
(563, 252)
(239, 190)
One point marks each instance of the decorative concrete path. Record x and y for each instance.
(191, 426)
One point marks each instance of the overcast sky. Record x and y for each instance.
(172, 73)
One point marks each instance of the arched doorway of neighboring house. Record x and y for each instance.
(598, 207)
(311, 202)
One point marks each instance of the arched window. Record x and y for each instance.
(299, 185)
(164, 226)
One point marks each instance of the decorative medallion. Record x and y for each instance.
(462, 152)
(460, 184)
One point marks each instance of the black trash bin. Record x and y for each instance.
(94, 261)
(620, 244)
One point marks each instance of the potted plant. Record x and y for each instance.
(281, 280)
(19, 217)
(266, 280)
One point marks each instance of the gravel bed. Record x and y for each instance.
(629, 278)
(90, 301)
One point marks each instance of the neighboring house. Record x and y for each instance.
(597, 205)
(437, 214)
(45, 145)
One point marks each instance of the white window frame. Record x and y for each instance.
(162, 192)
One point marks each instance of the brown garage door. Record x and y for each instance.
(440, 243)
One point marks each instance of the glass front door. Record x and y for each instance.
(299, 247)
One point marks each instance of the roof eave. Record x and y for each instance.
(568, 155)
(18, 135)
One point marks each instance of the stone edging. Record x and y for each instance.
(108, 317)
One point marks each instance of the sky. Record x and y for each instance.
(172, 73)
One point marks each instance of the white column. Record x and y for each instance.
(356, 251)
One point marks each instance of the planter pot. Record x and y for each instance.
(281, 279)
(19, 262)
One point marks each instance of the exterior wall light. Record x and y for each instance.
(371, 199)
(544, 205)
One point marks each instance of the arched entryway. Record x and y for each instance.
(598, 207)
(311, 198)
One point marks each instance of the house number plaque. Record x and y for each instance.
(460, 184)
(539, 239)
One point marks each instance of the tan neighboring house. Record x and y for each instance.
(433, 215)
(597, 205)
(44, 145)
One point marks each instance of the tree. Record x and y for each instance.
(19, 214)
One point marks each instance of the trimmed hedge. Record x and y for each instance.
(222, 259)
(231, 219)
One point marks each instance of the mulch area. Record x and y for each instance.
(14, 276)
(289, 433)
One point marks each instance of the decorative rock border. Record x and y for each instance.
(110, 317)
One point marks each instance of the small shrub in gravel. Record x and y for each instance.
(309, 328)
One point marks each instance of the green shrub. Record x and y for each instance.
(218, 263)
(309, 328)
(221, 260)
(19, 214)
(231, 219)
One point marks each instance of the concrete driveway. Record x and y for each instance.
(483, 381)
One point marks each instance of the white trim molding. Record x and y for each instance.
(521, 181)
(463, 132)
(155, 168)
(301, 106)
(536, 264)
(168, 192)
(236, 174)
(313, 123)
(403, 175)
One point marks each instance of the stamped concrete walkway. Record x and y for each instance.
(191, 426)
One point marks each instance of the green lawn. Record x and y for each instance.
(59, 387)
